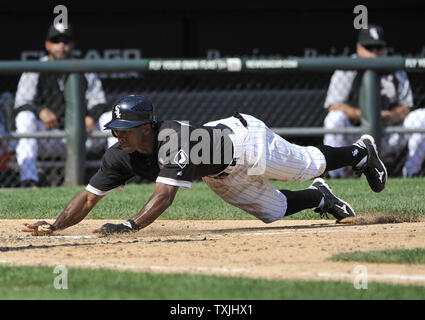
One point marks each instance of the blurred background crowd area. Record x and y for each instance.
(124, 30)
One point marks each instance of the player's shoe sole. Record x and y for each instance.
(374, 169)
(337, 207)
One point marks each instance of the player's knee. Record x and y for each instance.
(25, 121)
(24, 115)
(335, 119)
(415, 119)
(268, 218)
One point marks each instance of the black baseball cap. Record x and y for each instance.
(59, 30)
(372, 36)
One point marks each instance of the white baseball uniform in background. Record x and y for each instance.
(28, 149)
(26, 122)
(396, 89)
(104, 119)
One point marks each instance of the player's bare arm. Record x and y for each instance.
(76, 210)
(160, 200)
(351, 112)
(395, 116)
(48, 118)
(90, 123)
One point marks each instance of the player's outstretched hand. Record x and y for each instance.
(110, 228)
(40, 228)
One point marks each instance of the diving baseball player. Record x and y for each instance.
(235, 157)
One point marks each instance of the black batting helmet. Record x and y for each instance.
(129, 112)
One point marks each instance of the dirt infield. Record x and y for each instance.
(287, 249)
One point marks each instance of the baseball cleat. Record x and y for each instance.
(332, 204)
(374, 169)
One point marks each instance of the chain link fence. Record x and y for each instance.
(280, 99)
(35, 103)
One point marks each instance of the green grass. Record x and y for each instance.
(84, 284)
(401, 197)
(404, 256)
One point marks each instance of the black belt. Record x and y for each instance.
(238, 116)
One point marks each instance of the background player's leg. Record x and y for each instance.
(27, 148)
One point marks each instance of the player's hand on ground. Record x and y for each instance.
(40, 228)
(111, 228)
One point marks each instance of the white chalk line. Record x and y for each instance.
(226, 234)
(226, 270)
(319, 274)
(374, 276)
(43, 238)
(242, 234)
(73, 237)
(306, 232)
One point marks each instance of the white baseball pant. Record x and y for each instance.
(262, 155)
(28, 149)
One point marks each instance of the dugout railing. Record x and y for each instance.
(75, 134)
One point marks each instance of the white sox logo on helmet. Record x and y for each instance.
(374, 33)
(117, 111)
